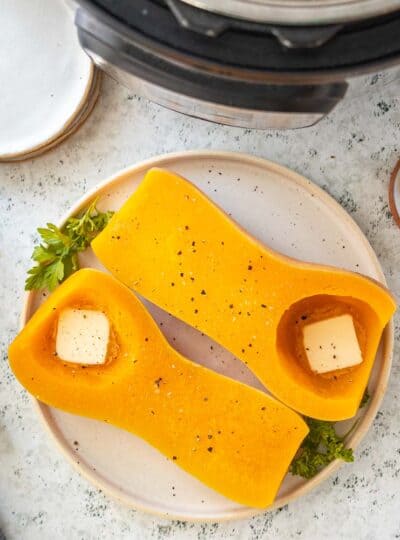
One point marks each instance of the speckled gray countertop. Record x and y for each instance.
(350, 154)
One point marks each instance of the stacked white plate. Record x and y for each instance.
(48, 84)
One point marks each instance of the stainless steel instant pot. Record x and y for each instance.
(251, 63)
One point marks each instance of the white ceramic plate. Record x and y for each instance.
(73, 126)
(45, 75)
(288, 213)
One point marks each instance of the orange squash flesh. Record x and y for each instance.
(232, 437)
(174, 246)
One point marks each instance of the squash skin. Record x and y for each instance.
(174, 246)
(232, 437)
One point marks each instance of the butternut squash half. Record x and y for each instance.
(174, 246)
(233, 438)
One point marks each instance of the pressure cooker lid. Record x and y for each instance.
(159, 29)
(298, 12)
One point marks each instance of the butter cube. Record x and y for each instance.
(332, 344)
(82, 336)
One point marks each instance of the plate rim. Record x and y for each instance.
(387, 340)
(394, 177)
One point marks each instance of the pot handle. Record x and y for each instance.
(212, 25)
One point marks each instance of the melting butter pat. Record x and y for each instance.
(332, 344)
(82, 336)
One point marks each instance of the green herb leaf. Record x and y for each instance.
(57, 256)
(365, 399)
(53, 237)
(83, 230)
(321, 446)
(43, 254)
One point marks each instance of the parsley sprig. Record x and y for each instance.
(56, 256)
(365, 399)
(321, 446)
